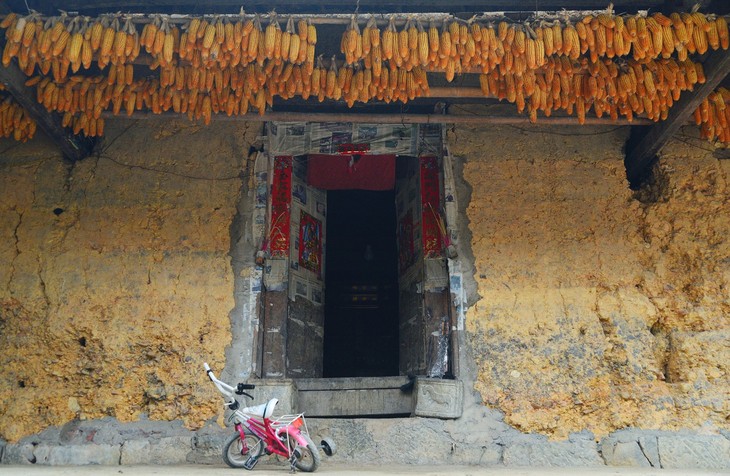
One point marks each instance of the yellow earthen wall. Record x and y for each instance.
(597, 311)
(111, 307)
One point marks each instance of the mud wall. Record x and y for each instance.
(598, 308)
(592, 307)
(116, 281)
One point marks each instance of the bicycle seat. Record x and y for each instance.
(265, 410)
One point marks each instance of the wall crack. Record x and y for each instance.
(643, 451)
(11, 274)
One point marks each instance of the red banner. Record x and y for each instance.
(280, 211)
(351, 172)
(430, 207)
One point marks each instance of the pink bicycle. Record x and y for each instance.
(256, 433)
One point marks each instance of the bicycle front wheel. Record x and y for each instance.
(237, 451)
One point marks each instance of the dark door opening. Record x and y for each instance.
(361, 305)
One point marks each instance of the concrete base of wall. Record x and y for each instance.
(364, 396)
(383, 441)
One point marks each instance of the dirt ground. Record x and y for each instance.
(270, 470)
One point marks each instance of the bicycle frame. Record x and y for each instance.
(271, 435)
(275, 434)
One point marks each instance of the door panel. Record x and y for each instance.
(410, 267)
(423, 275)
(305, 324)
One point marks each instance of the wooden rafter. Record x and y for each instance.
(391, 118)
(87, 7)
(644, 146)
(72, 147)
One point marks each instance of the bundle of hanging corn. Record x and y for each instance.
(14, 120)
(613, 65)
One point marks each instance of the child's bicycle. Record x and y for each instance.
(258, 434)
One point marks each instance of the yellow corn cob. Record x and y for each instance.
(87, 54)
(575, 50)
(97, 30)
(311, 33)
(422, 46)
(667, 41)
(253, 42)
(387, 42)
(220, 32)
(519, 41)
(15, 33)
(228, 35)
(76, 41)
(9, 20)
(192, 29)
(403, 48)
(294, 45)
(547, 36)
(209, 37)
(722, 32)
(120, 43)
(145, 38)
(433, 38)
(445, 44)
(413, 38)
(285, 44)
(713, 38)
(463, 33)
(557, 38)
(44, 43)
(270, 38)
(657, 37)
(29, 33)
(700, 20)
(530, 53)
(699, 37)
(450, 70)
(168, 47)
(60, 45)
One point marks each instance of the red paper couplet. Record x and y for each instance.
(280, 211)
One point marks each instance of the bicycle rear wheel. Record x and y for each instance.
(309, 458)
(237, 451)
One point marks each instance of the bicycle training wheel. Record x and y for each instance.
(237, 451)
(309, 458)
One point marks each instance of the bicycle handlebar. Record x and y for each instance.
(226, 389)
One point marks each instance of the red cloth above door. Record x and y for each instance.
(344, 172)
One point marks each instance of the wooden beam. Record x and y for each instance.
(644, 146)
(87, 7)
(72, 147)
(367, 118)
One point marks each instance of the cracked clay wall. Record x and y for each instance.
(598, 308)
(116, 280)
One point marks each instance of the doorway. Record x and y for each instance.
(361, 310)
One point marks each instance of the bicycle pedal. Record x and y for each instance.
(250, 462)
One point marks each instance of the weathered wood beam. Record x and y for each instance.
(72, 147)
(644, 145)
(369, 118)
(326, 6)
